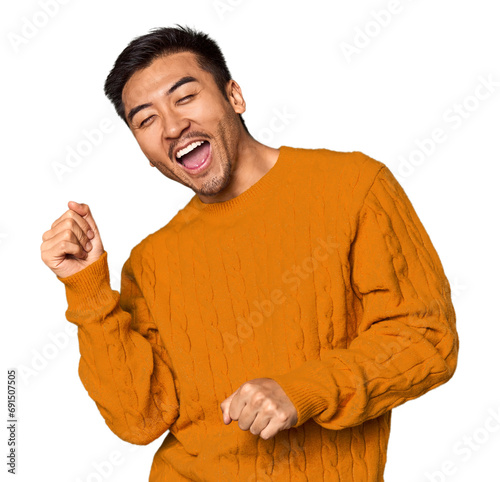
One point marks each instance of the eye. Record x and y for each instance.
(185, 98)
(145, 121)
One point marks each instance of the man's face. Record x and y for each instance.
(173, 103)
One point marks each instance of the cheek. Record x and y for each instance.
(151, 145)
(206, 114)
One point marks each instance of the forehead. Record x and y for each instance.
(162, 72)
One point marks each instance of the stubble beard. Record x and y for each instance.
(217, 182)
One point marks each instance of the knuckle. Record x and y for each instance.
(67, 234)
(63, 245)
(258, 398)
(68, 218)
(283, 417)
(69, 222)
(246, 388)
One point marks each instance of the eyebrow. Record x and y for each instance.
(182, 81)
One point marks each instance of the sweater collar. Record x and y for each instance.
(269, 180)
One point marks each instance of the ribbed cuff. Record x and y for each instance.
(89, 292)
(305, 388)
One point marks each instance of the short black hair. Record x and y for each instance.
(143, 50)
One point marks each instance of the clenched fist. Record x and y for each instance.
(260, 405)
(73, 241)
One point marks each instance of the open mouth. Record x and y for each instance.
(194, 155)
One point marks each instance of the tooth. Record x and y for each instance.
(189, 148)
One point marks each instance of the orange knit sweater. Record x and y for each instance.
(319, 276)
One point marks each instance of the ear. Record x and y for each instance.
(236, 97)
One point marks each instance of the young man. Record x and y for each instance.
(273, 324)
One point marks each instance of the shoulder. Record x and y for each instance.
(331, 160)
(352, 171)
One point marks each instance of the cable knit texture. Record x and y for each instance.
(319, 276)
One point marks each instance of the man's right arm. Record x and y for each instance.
(123, 365)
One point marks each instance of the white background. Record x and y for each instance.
(404, 82)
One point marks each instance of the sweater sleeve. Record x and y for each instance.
(123, 364)
(405, 341)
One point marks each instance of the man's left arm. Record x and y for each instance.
(406, 341)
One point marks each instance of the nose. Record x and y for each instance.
(174, 123)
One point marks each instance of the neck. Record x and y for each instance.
(251, 161)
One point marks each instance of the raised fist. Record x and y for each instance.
(73, 241)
